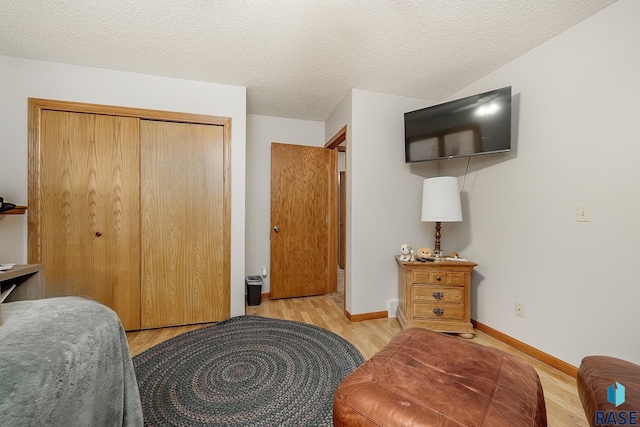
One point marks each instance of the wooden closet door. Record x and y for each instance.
(89, 216)
(183, 232)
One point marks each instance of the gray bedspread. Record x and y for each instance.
(65, 362)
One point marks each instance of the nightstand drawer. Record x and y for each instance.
(433, 294)
(439, 311)
(439, 278)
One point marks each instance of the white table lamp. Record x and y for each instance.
(441, 203)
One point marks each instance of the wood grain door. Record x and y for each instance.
(89, 212)
(303, 220)
(183, 224)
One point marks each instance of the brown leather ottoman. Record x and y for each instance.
(595, 376)
(425, 378)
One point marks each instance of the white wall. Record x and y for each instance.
(261, 132)
(21, 79)
(340, 117)
(385, 199)
(578, 142)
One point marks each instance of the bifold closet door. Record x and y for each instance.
(89, 215)
(182, 224)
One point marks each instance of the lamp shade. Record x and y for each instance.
(441, 200)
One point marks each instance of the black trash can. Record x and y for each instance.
(254, 290)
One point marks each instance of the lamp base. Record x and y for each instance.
(438, 255)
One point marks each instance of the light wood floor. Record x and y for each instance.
(561, 396)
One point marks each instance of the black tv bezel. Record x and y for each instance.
(464, 100)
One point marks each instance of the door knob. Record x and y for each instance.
(276, 229)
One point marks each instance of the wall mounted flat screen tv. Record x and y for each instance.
(478, 124)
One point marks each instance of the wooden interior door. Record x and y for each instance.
(303, 220)
(183, 224)
(89, 209)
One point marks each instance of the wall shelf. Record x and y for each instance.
(18, 210)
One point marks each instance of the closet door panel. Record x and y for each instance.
(89, 192)
(182, 213)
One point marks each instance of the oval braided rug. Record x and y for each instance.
(245, 371)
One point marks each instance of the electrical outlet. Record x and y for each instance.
(392, 307)
(519, 309)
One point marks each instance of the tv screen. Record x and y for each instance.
(478, 124)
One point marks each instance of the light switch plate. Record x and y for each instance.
(584, 213)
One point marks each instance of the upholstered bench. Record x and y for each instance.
(595, 376)
(425, 378)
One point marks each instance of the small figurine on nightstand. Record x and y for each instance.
(424, 253)
(455, 256)
(406, 253)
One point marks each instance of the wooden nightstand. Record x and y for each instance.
(435, 295)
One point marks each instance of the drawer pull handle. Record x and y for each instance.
(438, 311)
(438, 295)
(438, 278)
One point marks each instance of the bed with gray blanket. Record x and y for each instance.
(65, 362)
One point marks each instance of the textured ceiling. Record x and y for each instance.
(297, 58)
